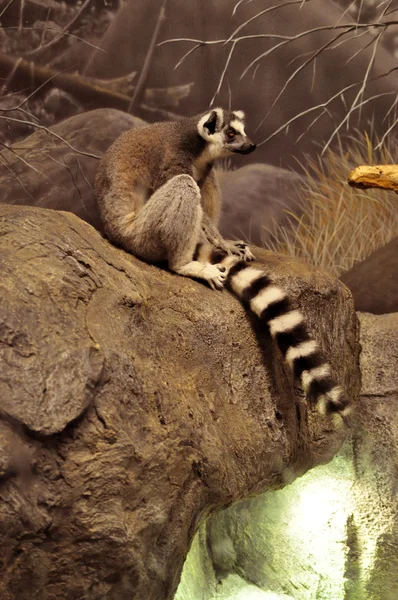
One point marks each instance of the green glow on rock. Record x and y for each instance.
(316, 539)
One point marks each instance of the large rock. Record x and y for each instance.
(343, 63)
(134, 403)
(376, 452)
(255, 200)
(333, 533)
(374, 281)
(57, 169)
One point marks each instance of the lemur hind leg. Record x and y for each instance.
(168, 227)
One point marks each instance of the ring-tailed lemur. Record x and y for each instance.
(159, 199)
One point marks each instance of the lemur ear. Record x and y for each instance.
(210, 123)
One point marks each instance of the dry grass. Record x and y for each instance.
(340, 225)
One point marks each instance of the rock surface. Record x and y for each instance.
(374, 281)
(134, 403)
(255, 198)
(42, 170)
(331, 534)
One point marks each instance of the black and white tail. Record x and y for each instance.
(272, 306)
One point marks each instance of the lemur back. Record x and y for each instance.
(159, 199)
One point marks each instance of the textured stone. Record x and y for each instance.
(43, 170)
(374, 281)
(134, 403)
(255, 198)
(333, 533)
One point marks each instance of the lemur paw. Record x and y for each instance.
(242, 250)
(215, 275)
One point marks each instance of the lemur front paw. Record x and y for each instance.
(215, 275)
(242, 250)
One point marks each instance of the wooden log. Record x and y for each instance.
(26, 75)
(376, 176)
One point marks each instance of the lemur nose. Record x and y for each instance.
(253, 147)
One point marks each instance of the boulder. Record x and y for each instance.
(134, 403)
(343, 63)
(332, 533)
(255, 200)
(55, 168)
(374, 281)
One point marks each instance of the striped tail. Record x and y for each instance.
(288, 328)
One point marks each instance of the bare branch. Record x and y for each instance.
(143, 78)
(72, 35)
(8, 167)
(223, 74)
(356, 103)
(7, 6)
(260, 14)
(51, 133)
(315, 54)
(67, 29)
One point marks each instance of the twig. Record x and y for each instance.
(143, 78)
(52, 133)
(10, 75)
(229, 57)
(67, 29)
(356, 103)
(22, 6)
(6, 8)
(7, 166)
(72, 35)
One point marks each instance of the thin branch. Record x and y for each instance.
(51, 133)
(11, 149)
(320, 106)
(54, 42)
(288, 39)
(358, 96)
(72, 35)
(8, 167)
(260, 14)
(21, 8)
(297, 71)
(6, 8)
(229, 57)
(143, 78)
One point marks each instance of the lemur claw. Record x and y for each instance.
(215, 275)
(242, 250)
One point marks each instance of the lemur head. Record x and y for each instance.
(224, 131)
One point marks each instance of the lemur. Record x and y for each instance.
(159, 199)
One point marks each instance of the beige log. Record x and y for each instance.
(376, 176)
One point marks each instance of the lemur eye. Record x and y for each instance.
(231, 134)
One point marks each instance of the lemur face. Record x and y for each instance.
(225, 133)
